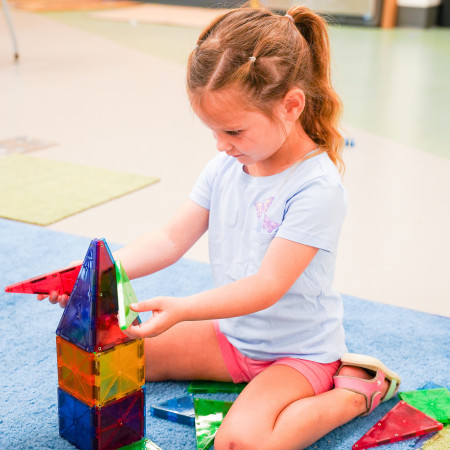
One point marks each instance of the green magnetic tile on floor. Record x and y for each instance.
(433, 402)
(209, 414)
(144, 444)
(215, 386)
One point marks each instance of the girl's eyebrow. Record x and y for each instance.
(227, 128)
(239, 126)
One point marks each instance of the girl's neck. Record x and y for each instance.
(296, 146)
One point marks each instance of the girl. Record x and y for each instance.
(274, 204)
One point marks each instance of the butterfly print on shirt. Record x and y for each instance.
(262, 207)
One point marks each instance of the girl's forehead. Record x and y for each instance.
(225, 109)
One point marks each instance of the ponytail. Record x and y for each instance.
(323, 108)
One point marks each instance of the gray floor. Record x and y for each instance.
(109, 104)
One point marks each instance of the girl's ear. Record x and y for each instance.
(293, 104)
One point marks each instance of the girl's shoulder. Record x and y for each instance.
(318, 168)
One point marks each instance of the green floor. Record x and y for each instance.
(394, 83)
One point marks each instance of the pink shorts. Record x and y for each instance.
(243, 369)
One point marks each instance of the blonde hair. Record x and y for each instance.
(266, 55)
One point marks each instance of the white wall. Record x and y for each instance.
(418, 3)
(342, 7)
(332, 5)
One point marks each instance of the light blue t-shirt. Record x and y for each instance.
(305, 204)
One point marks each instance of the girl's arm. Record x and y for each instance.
(161, 248)
(158, 249)
(283, 263)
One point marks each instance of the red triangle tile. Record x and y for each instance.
(402, 422)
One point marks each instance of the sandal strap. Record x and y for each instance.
(370, 389)
(391, 391)
(370, 363)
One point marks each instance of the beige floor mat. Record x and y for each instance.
(185, 16)
(67, 5)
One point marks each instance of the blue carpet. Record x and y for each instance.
(412, 343)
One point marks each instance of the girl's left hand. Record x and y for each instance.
(167, 311)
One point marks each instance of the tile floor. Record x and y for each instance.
(112, 95)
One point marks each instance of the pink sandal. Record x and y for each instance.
(370, 389)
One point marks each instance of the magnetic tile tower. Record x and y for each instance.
(101, 398)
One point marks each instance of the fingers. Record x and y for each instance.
(161, 320)
(64, 299)
(135, 332)
(146, 305)
(143, 330)
(54, 298)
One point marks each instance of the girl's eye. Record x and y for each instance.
(233, 132)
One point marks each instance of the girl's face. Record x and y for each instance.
(249, 136)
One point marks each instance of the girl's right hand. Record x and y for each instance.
(55, 297)
(167, 311)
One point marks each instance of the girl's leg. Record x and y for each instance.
(187, 351)
(278, 409)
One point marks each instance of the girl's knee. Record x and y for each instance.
(357, 402)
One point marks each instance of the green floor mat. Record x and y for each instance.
(42, 191)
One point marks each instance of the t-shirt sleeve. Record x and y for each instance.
(201, 192)
(314, 215)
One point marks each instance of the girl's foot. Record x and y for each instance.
(368, 377)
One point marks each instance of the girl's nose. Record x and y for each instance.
(222, 143)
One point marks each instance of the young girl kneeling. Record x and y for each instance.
(273, 203)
